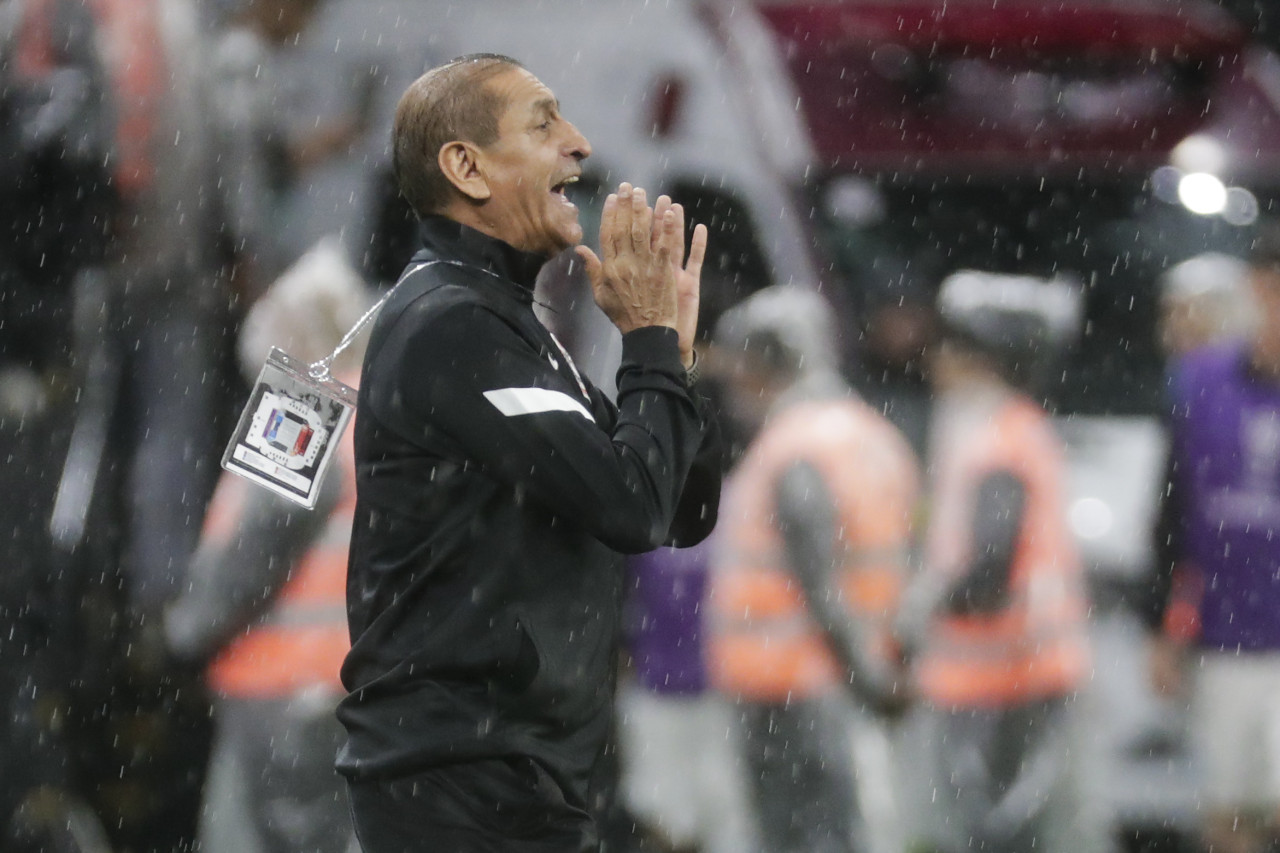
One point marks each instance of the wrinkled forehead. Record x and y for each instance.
(523, 95)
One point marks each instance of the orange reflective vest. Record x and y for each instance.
(763, 645)
(1038, 645)
(303, 639)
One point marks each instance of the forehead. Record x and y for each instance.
(522, 93)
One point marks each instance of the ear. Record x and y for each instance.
(459, 161)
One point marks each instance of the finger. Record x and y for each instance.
(667, 236)
(641, 221)
(697, 251)
(679, 211)
(624, 216)
(609, 226)
(592, 265)
(669, 239)
(660, 208)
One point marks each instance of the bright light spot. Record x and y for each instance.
(1091, 518)
(1199, 152)
(1202, 193)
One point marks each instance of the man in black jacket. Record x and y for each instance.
(497, 487)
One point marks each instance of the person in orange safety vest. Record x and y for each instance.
(995, 622)
(266, 595)
(808, 562)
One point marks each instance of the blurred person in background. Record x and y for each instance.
(144, 451)
(264, 604)
(180, 272)
(900, 325)
(57, 130)
(170, 304)
(810, 555)
(269, 142)
(1217, 591)
(1203, 300)
(681, 779)
(994, 623)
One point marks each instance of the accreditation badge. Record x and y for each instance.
(290, 428)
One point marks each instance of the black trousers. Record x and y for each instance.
(501, 805)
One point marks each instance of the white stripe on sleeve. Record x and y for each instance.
(532, 401)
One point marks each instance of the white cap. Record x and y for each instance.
(797, 318)
(992, 306)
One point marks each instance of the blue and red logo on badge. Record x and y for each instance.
(286, 430)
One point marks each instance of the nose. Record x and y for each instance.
(576, 144)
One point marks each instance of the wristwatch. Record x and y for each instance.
(692, 372)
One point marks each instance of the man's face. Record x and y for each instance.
(1182, 327)
(536, 153)
(750, 389)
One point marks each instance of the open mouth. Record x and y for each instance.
(559, 188)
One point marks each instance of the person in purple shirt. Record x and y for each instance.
(679, 779)
(1217, 599)
(665, 630)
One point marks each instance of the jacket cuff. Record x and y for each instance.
(653, 348)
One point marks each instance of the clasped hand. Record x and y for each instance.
(642, 278)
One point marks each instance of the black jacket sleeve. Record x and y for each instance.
(697, 512)
(472, 377)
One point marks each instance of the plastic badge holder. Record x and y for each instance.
(288, 432)
(296, 414)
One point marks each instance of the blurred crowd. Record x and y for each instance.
(168, 195)
(886, 645)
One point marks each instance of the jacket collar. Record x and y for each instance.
(446, 239)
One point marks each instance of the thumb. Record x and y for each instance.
(594, 268)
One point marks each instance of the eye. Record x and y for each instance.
(546, 125)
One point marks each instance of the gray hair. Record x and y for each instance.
(449, 102)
